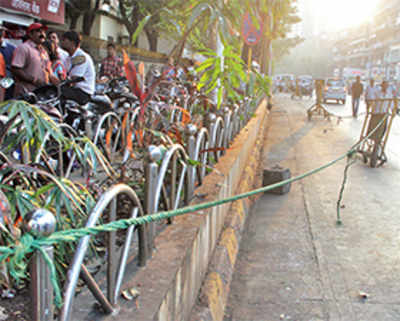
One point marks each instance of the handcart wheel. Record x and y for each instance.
(365, 158)
(374, 156)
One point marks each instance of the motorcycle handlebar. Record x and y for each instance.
(72, 81)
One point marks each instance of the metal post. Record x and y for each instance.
(191, 150)
(41, 223)
(153, 156)
(236, 120)
(212, 118)
(228, 127)
(112, 252)
(220, 54)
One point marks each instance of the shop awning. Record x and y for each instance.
(49, 10)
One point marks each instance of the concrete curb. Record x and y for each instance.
(214, 293)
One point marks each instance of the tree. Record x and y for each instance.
(87, 8)
(151, 13)
(278, 17)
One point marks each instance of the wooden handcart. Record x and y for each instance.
(377, 124)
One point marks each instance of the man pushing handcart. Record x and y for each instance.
(377, 124)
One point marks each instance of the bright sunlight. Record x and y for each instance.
(335, 15)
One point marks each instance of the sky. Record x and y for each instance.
(335, 15)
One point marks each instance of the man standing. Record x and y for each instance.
(31, 64)
(169, 71)
(80, 64)
(370, 92)
(356, 92)
(62, 54)
(385, 103)
(111, 66)
(6, 50)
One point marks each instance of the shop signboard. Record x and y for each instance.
(48, 10)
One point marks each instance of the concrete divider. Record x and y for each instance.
(214, 293)
(171, 281)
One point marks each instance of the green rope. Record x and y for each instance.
(350, 161)
(53, 276)
(27, 243)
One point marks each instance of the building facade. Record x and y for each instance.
(373, 46)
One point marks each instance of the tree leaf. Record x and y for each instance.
(197, 11)
(140, 27)
(220, 94)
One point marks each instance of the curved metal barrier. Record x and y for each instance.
(171, 176)
(115, 270)
(165, 182)
(216, 129)
(108, 134)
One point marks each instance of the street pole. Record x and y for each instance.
(271, 26)
(268, 46)
(220, 54)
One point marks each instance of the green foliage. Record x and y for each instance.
(262, 84)
(35, 184)
(140, 28)
(224, 73)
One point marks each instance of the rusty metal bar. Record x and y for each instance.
(95, 289)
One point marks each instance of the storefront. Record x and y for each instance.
(17, 14)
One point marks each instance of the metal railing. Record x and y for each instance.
(171, 176)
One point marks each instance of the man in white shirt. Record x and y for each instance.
(370, 92)
(80, 64)
(380, 108)
(385, 95)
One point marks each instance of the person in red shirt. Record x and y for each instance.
(111, 66)
(7, 50)
(2, 75)
(31, 64)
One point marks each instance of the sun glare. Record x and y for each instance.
(341, 14)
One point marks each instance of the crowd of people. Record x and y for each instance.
(43, 59)
(372, 92)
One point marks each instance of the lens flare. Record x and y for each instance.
(334, 15)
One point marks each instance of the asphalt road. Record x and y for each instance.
(294, 262)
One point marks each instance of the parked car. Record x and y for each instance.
(335, 89)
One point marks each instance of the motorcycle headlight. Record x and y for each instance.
(126, 105)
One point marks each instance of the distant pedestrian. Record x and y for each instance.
(386, 95)
(356, 92)
(169, 70)
(385, 103)
(370, 92)
(111, 66)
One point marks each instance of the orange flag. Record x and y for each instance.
(131, 75)
(141, 69)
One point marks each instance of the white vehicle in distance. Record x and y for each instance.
(335, 89)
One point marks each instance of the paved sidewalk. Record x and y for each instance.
(294, 263)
